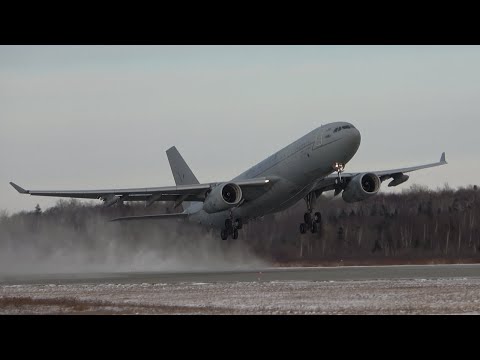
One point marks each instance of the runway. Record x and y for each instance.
(436, 289)
(342, 273)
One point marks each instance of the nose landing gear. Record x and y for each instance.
(339, 168)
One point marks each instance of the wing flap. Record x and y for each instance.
(132, 194)
(152, 217)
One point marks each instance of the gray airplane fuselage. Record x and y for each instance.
(296, 170)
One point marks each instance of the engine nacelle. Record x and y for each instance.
(222, 197)
(361, 187)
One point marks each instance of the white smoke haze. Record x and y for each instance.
(101, 246)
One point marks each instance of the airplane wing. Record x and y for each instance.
(178, 193)
(398, 176)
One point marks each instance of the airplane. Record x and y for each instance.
(304, 169)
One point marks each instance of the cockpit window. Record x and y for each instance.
(343, 127)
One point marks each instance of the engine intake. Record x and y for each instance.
(222, 197)
(361, 187)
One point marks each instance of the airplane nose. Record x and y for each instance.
(349, 144)
(356, 137)
(353, 139)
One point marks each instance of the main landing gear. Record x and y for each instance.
(311, 223)
(231, 228)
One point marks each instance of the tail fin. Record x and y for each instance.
(180, 170)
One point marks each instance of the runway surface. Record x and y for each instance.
(436, 289)
(266, 274)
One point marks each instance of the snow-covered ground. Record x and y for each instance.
(416, 296)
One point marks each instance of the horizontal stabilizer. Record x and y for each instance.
(19, 189)
(152, 217)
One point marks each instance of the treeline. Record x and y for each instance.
(417, 224)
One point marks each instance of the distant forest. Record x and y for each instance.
(415, 225)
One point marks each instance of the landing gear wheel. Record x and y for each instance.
(308, 218)
(228, 224)
(238, 223)
(224, 234)
(317, 217)
(235, 234)
(303, 228)
(314, 228)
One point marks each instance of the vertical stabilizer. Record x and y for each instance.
(180, 170)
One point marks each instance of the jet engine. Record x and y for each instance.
(222, 197)
(361, 187)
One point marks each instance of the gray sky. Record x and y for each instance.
(85, 117)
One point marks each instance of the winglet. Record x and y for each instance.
(442, 158)
(19, 189)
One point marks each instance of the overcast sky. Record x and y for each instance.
(86, 117)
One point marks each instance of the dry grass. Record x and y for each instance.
(25, 304)
(378, 262)
(71, 304)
